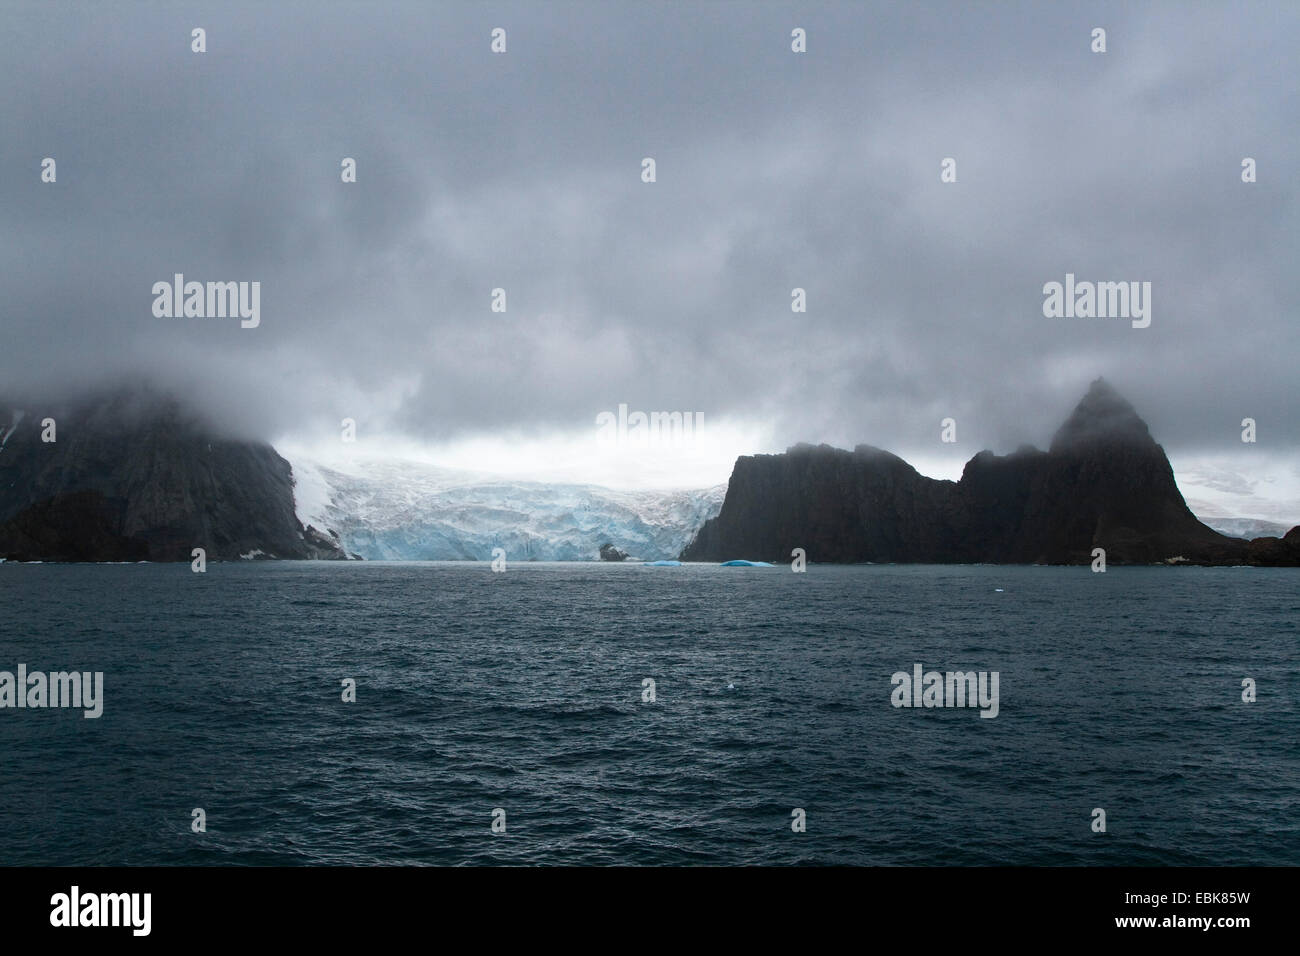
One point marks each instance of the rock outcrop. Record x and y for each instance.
(1104, 483)
(132, 477)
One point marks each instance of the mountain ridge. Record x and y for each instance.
(1103, 483)
(134, 476)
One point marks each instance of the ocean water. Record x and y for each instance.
(523, 691)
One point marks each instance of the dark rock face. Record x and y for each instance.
(133, 478)
(1105, 483)
(610, 553)
(831, 502)
(1283, 552)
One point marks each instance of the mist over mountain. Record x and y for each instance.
(1104, 483)
(375, 294)
(133, 475)
(1103, 419)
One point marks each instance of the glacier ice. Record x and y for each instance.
(410, 511)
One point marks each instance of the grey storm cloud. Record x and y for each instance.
(775, 170)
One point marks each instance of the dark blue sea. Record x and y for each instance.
(523, 691)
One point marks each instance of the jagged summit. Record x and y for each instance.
(1102, 416)
(1104, 483)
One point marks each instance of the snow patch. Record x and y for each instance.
(311, 494)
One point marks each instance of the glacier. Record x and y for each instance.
(397, 510)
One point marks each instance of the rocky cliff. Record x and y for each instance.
(1104, 483)
(132, 477)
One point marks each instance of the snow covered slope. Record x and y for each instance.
(1251, 501)
(408, 511)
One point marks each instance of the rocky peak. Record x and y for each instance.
(1102, 417)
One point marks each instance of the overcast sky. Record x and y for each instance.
(775, 170)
